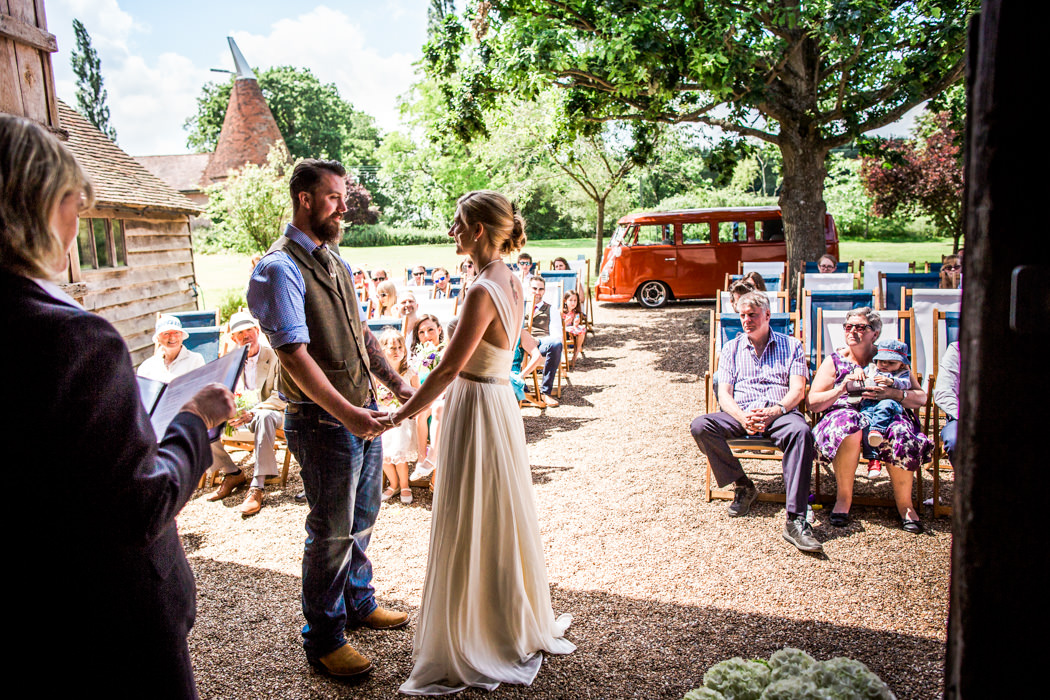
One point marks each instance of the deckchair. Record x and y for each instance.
(872, 268)
(810, 267)
(773, 283)
(724, 328)
(777, 302)
(813, 301)
(830, 336)
(945, 332)
(893, 285)
(766, 269)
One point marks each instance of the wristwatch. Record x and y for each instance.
(783, 409)
(904, 395)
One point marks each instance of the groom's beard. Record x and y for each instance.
(328, 229)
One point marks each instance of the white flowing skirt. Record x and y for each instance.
(486, 611)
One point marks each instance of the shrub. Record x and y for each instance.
(231, 302)
(382, 235)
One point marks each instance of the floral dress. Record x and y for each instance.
(905, 446)
(573, 322)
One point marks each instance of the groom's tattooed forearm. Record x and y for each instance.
(379, 366)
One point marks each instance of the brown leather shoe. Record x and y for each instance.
(252, 502)
(383, 619)
(344, 662)
(229, 483)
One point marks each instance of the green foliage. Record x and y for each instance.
(370, 236)
(312, 117)
(91, 96)
(790, 674)
(703, 198)
(233, 301)
(249, 209)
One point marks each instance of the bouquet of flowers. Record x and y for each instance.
(427, 359)
(243, 400)
(790, 674)
(385, 397)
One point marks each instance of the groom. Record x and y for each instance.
(303, 295)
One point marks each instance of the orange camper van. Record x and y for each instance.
(658, 256)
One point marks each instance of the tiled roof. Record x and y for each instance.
(248, 131)
(183, 172)
(118, 179)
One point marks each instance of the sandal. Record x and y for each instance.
(387, 494)
(406, 496)
(839, 519)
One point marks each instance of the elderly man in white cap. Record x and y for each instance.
(260, 422)
(172, 359)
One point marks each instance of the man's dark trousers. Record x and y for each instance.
(789, 432)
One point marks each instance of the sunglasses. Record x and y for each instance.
(419, 274)
(858, 327)
(951, 267)
(358, 273)
(380, 279)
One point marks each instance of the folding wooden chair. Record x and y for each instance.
(773, 283)
(777, 302)
(893, 284)
(812, 301)
(831, 335)
(724, 328)
(552, 295)
(766, 269)
(950, 321)
(583, 268)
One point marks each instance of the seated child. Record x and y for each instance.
(889, 367)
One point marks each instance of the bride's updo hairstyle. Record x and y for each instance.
(502, 223)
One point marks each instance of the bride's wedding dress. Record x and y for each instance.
(486, 610)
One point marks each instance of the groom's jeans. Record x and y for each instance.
(342, 475)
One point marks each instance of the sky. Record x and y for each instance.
(156, 56)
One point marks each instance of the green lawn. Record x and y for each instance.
(221, 274)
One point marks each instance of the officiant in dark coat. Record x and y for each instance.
(104, 597)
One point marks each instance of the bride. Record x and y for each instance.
(486, 610)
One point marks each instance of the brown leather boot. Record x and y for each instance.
(344, 662)
(229, 483)
(383, 619)
(253, 502)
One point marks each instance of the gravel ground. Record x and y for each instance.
(661, 584)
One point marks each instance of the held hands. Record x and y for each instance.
(758, 420)
(213, 404)
(366, 423)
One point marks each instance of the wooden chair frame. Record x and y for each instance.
(280, 443)
(934, 414)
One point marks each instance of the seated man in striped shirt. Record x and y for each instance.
(761, 380)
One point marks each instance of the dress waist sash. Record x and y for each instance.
(485, 380)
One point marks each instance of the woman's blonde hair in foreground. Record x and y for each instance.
(36, 171)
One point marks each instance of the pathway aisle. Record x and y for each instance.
(661, 584)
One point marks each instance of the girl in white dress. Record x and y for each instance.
(399, 444)
(486, 612)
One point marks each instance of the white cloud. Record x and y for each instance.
(335, 48)
(150, 98)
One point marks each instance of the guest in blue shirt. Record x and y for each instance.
(761, 380)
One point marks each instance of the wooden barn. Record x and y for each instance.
(133, 257)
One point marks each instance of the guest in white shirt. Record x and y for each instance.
(172, 359)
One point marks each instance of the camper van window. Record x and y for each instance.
(696, 234)
(772, 230)
(732, 232)
(653, 234)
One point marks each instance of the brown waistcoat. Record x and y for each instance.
(337, 342)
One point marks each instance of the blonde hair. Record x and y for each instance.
(391, 293)
(36, 172)
(502, 223)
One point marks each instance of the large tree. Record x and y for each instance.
(91, 96)
(807, 77)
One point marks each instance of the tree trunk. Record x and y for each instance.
(599, 234)
(802, 199)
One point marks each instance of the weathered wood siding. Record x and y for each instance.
(157, 279)
(27, 85)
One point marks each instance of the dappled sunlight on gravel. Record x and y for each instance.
(661, 584)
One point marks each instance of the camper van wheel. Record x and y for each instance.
(653, 294)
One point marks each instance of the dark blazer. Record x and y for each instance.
(107, 596)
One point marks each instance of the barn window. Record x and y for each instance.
(100, 243)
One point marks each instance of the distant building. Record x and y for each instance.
(248, 133)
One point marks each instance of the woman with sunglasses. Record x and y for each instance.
(386, 300)
(841, 434)
(951, 272)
